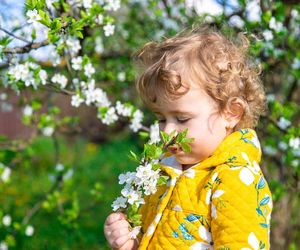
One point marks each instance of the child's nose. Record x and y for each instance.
(169, 128)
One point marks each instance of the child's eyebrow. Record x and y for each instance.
(175, 112)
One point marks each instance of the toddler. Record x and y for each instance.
(217, 196)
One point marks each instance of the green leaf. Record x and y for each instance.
(162, 180)
(186, 147)
(46, 20)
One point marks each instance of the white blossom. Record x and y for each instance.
(99, 48)
(5, 174)
(112, 5)
(282, 145)
(154, 133)
(59, 167)
(119, 202)
(136, 121)
(27, 110)
(96, 96)
(48, 131)
(110, 116)
(123, 109)
(99, 19)
(29, 230)
(128, 178)
(296, 63)
(131, 195)
(3, 96)
(60, 79)
(294, 143)
(76, 100)
(43, 76)
(121, 76)
(89, 70)
(73, 45)
(87, 4)
(68, 175)
(3, 246)
(109, 29)
(283, 123)
(277, 26)
(134, 232)
(33, 16)
(77, 63)
(6, 220)
(268, 35)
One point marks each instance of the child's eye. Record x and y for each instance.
(182, 120)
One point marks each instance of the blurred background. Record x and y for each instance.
(59, 164)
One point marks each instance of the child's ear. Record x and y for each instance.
(233, 112)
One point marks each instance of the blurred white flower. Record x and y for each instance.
(73, 45)
(268, 35)
(68, 175)
(110, 116)
(87, 4)
(269, 150)
(128, 178)
(294, 143)
(3, 96)
(89, 70)
(99, 19)
(47, 131)
(112, 5)
(282, 145)
(33, 16)
(277, 26)
(6, 174)
(59, 167)
(43, 76)
(77, 63)
(76, 100)
(154, 133)
(3, 246)
(109, 29)
(283, 123)
(6, 220)
(119, 202)
(27, 111)
(60, 79)
(296, 63)
(123, 109)
(121, 76)
(99, 48)
(136, 121)
(29, 230)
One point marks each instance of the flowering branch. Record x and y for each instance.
(148, 176)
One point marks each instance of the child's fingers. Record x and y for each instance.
(119, 242)
(114, 217)
(117, 224)
(119, 232)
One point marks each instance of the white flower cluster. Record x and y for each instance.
(5, 173)
(154, 133)
(277, 26)
(60, 79)
(3, 246)
(24, 72)
(136, 121)
(73, 45)
(109, 117)
(112, 5)
(138, 183)
(33, 16)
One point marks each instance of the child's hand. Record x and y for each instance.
(116, 230)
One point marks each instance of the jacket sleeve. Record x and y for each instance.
(241, 205)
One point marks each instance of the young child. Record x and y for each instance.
(217, 196)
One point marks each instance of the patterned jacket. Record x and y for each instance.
(223, 202)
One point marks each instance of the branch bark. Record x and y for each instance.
(26, 48)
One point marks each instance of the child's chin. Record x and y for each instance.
(185, 159)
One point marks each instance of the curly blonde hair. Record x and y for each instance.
(202, 55)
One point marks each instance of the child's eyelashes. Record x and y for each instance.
(180, 120)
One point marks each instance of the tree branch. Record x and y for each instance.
(26, 48)
(13, 35)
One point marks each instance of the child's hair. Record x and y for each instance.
(206, 57)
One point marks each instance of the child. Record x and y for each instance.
(217, 197)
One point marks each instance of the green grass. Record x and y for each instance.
(91, 163)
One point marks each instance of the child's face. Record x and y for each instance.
(199, 113)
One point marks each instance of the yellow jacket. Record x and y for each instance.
(223, 202)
